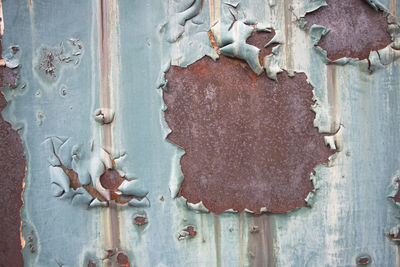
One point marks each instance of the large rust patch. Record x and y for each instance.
(249, 141)
(356, 29)
(12, 174)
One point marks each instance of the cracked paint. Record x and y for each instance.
(108, 186)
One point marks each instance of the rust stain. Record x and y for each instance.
(30, 5)
(363, 260)
(213, 42)
(140, 220)
(123, 260)
(217, 234)
(246, 146)
(13, 172)
(356, 29)
(91, 264)
(260, 241)
(395, 238)
(259, 39)
(190, 230)
(394, 7)
(107, 14)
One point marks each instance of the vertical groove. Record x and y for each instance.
(288, 35)
(217, 229)
(110, 218)
(261, 241)
(333, 97)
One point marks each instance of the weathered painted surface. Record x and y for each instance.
(91, 79)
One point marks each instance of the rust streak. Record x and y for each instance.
(107, 10)
(217, 230)
(260, 241)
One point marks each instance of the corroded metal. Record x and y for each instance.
(249, 141)
(12, 174)
(355, 28)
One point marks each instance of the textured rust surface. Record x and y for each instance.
(91, 264)
(259, 39)
(111, 179)
(12, 166)
(356, 29)
(249, 141)
(12, 174)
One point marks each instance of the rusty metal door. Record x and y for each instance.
(199, 133)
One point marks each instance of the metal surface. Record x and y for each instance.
(89, 106)
(249, 141)
(355, 27)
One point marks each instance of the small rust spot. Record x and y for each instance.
(123, 259)
(363, 260)
(91, 264)
(254, 229)
(356, 29)
(395, 238)
(190, 230)
(111, 179)
(249, 141)
(140, 220)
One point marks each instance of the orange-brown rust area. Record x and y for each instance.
(356, 29)
(249, 141)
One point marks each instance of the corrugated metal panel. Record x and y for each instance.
(90, 98)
